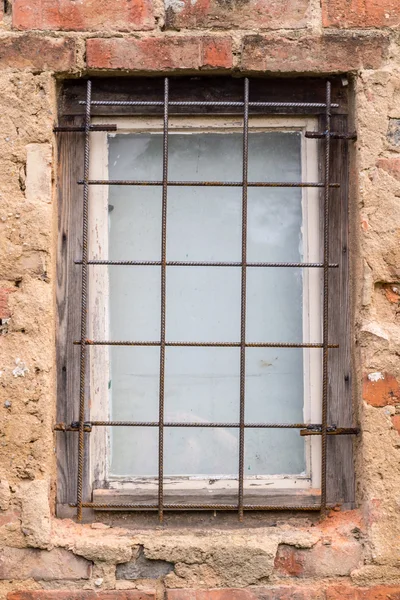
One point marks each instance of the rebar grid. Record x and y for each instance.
(323, 429)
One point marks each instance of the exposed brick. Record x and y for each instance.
(392, 292)
(271, 593)
(396, 423)
(81, 595)
(253, 14)
(324, 54)
(157, 54)
(24, 563)
(360, 13)
(39, 53)
(5, 312)
(335, 559)
(381, 389)
(379, 592)
(390, 165)
(91, 15)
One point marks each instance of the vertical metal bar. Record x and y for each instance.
(163, 304)
(243, 296)
(81, 439)
(325, 349)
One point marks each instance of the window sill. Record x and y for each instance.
(191, 499)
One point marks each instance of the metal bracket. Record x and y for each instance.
(330, 430)
(66, 129)
(317, 135)
(74, 426)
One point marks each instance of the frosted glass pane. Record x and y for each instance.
(203, 303)
(201, 451)
(202, 384)
(134, 451)
(274, 305)
(274, 385)
(274, 452)
(134, 383)
(134, 303)
(274, 214)
(135, 212)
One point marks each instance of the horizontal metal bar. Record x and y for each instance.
(239, 184)
(316, 135)
(89, 424)
(305, 428)
(83, 129)
(207, 103)
(178, 263)
(122, 506)
(204, 344)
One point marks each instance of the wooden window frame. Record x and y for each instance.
(70, 153)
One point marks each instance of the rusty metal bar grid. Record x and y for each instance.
(83, 427)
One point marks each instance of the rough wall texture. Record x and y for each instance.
(350, 555)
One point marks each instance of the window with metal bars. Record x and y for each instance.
(203, 334)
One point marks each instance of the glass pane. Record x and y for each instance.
(202, 385)
(201, 451)
(134, 451)
(135, 211)
(274, 214)
(274, 452)
(203, 303)
(274, 305)
(134, 303)
(134, 383)
(274, 385)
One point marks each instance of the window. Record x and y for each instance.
(209, 276)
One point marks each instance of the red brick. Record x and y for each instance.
(360, 13)
(331, 53)
(90, 15)
(381, 390)
(160, 54)
(253, 14)
(38, 53)
(27, 563)
(379, 592)
(390, 165)
(271, 593)
(396, 423)
(392, 292)
(5, 312)
(335, 559)
(81, 595)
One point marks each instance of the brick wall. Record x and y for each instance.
(352, 555)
